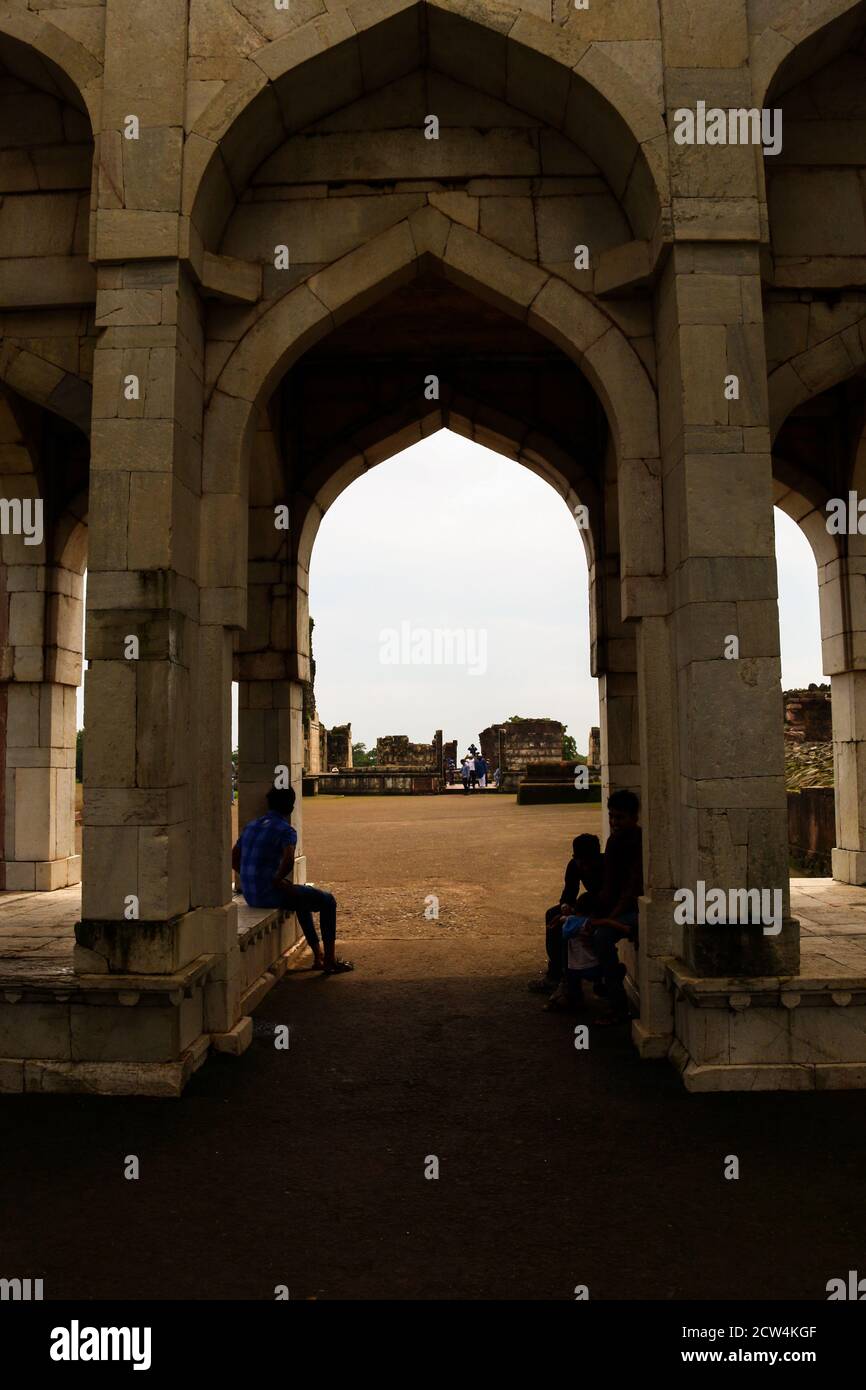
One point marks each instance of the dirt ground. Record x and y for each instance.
(557, 1167)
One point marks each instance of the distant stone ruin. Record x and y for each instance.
(326, 748)
(808, 715)
(396, 753)
(514, 745)
(593, 757)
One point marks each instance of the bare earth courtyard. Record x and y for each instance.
(306, 1166)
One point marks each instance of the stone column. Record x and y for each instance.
(40, 669)
(619, 733)
(661, 822)
(156, 810)
(270, 736)
(731, 809)
(614, 658)
(849, 759)
(143, 631)
(729, 804)
(269, 670)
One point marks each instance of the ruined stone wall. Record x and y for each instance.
(339, 746)
(808, 715)
(529, 741)
(489, 740)
(395, 751)
(314, 746)
(593, 757)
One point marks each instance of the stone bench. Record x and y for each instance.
(265, 937)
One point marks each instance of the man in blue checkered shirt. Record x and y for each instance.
(264, 858)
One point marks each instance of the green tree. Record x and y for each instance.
(362, 756)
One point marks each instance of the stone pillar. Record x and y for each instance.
(843, 651)
(619, 734)
(615, 665)
(270, 736)
(661, 822)
(143, 635)
(157, 768)
(39, 789)
(731, 805)
(849, 760)
(270, 682)
(40, 669)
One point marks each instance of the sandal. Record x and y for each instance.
(340, 967)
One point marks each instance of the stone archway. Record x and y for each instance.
(555, 309)
(47, 333)
(622, 492)
(818, 463)
(554, 73)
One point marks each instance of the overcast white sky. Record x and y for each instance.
(449, 535)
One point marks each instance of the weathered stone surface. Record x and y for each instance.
(141, 304)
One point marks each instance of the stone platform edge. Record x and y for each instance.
(160, 1079)
(785, 1033)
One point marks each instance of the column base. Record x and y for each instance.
(41, 876)
(849, 866)
(651, 1047)
(162, 947)
(779, 1033)
(45, 1076)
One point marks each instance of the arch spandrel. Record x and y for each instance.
(566, 83)
(310, 312)
(69, 68)
(790, 39)
(831, 358)
(556, 310)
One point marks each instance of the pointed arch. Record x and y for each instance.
(570, 84)
(796, 39)
(69, 66)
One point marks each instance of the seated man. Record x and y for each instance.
(264, 856)
(613, 911)
(584, 867)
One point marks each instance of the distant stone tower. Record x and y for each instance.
(593, 757)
